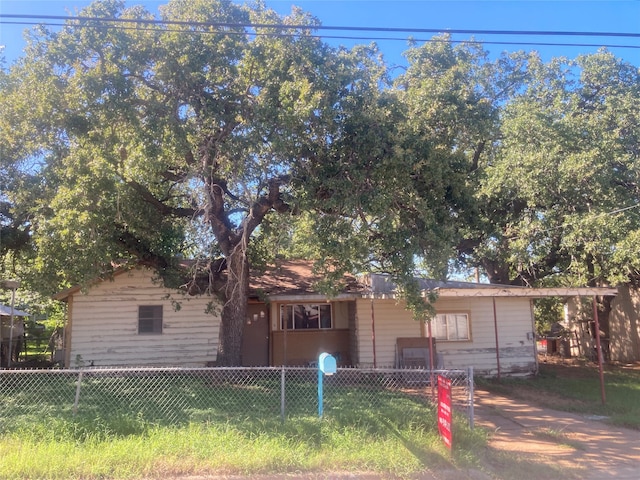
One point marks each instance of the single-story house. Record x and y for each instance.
(132, 320)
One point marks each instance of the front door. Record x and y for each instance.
(255, 339)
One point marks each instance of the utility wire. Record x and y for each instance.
(326, 27)
(332, 37)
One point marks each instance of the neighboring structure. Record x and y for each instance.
(622, 344)
(132, 320)
(624, 326)
(6, 335)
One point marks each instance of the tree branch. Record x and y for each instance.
(161, 207)
(272, 200)
(476, 155)
(139, 249)
(217, 217)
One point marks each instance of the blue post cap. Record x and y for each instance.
(327, 364)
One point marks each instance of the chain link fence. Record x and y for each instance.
(174, 396)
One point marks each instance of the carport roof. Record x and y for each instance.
(6, 312)
(499, 291)
(381, 287)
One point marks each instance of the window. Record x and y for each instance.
(150, 319)
(305, 317)
(450, 326)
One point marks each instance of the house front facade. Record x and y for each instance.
(132, 320)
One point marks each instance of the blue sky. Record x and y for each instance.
(559, 15)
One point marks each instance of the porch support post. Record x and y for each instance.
(495, 326)
(284, 339)
(599, 349)
(373, 332)
(432, 379)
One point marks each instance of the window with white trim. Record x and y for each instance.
(306, 316)
(450, 326)
(150, 319)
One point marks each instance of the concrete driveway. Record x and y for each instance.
(576, 446)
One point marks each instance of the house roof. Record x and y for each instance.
(6, 312)
(498, 291)
(295, 280)
(287, 278)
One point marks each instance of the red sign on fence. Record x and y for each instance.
(444, 410)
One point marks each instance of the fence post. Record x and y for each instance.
(471, 397)
(282, 380)
(77, 400)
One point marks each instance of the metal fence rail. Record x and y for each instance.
(173, 396)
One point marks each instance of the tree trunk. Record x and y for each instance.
(234, 310)
(604, 310)
(496, 271)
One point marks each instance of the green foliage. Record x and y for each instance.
(566, 165)
(546, 312)
(398, 196)
(143, 144)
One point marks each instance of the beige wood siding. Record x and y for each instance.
(392, 320)
(515, 336)
(624, 326)
(104, 325)
(515, 328)
(353, 339)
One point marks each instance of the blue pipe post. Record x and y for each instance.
(326, 366)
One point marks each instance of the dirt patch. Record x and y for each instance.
(570, 366)
(567, 366)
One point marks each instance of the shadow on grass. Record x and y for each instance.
(117, 405)
(576, 388)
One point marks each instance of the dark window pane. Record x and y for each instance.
(306, 316)
(325, 316)
(150, 319)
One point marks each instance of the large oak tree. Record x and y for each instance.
(151, 140)
(564, 180)
(221, 136)
(561, 193)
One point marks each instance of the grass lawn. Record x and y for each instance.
(574, 386)
(158, 427)
(121, 432)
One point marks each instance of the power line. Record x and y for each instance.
(327, 27)
(332, 37)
